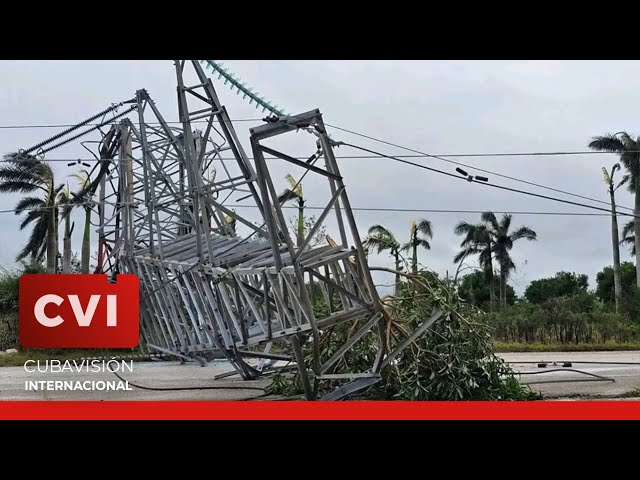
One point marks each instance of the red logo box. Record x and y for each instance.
(78, 311)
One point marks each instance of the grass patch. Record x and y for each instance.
(631, 394)
(504, 347)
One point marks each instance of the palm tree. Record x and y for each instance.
(86, 201)
(295, 193)
(628, 236)
(617, 281)
(503, 241)
(64, 199)
(381, 239)
(628, 150)
(423, 227)
(28, 175)
(478, 241)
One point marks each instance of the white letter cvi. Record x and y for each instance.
(84, 318)
(112, 319)
(41, 317)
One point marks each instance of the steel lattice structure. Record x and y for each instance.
(203, 288)
(162, 216)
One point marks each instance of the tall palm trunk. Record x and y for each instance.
(57, 222)
(503, 284)
(86, 242)
(617, 281)
(492, 285)
(52, 243)
(66, 247)
(414, 258)
(636, 225)
(300, 232)
(396, 256)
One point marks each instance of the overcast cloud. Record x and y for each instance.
(440, 107)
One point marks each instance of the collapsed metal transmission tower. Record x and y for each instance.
(203, 287)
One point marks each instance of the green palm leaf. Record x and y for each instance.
(28, 203)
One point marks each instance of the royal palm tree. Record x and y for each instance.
(28, 175)
(380, 239)
(615, 241)
(64, 200)
(423, 227)
(503, 241)
(628, 150)
(87, 203)
(478, 241)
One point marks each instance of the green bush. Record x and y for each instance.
(8, 330)
(453, 360)
(9, 281)
(578, 318)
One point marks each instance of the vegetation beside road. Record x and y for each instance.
(518, 347)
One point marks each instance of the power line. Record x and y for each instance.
(399, 209)
(435, 210)
(472, 167)
(492, 185)
(65, 125)
(421, 155)
(523, 154)
(440, 157)
(361, 157)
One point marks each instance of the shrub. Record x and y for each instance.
(453, 360)
(9, 280)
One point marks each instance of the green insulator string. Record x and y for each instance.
(241, 87)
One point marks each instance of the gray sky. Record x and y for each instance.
(440, 107)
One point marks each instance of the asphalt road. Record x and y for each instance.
(167, 375)
(563, 383)
(557, 381)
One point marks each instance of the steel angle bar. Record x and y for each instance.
(348, 376)
(209, 300)
(352, 387)
(287, 319)
(271, 356)
(299, 163)
(175, 307)
(318, 223)
(200, 360)
(342, 316)
(346, 300)
(254, 308)
(284, 125)
(339, 288)
(366, 328)
(198, 319)
(237, 217)
(298, 304)
(412, 338)
(279, 334)
(326, 259)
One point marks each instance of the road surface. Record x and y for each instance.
(166, 375)
(565, 382)
(174, 375)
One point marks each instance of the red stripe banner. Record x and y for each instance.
(300, 410)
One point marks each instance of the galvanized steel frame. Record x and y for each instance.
(203, 288)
